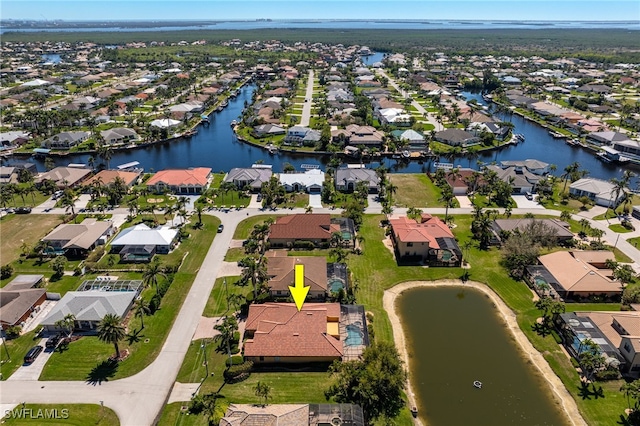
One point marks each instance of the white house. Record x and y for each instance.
(310, 181)
(600, 191)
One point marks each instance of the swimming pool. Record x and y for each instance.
(335, 285)
(354, 335)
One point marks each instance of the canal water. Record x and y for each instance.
(217, 147)
(455, 337)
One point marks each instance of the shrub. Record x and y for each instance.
(96, 254)
(305, 245)
(154, 303)
(6, 271)
(238, 373)
(13, 332)
(608, 374)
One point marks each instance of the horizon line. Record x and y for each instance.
(319, 19)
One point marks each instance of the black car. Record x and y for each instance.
(53, 341)
(32, 354)
(220, 228)
(23, 210)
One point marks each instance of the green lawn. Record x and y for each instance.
(217, 302)
(12, 355)
(234, 254)
(16, 229)
(245, 227)
(415, 190)
(62, 414)
(83, 355)
(616, 227)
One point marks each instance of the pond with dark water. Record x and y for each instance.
(455, 336)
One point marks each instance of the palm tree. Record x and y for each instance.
(447, 198)
(199, 210)
(68, 200)
(391, 190)
(414, 213)
(141, 309)
(152, 272)
(569, 172)
(254, 271)
(110, 330)
(227, 328)
(67, 324)
(262, 390)
(235, 300)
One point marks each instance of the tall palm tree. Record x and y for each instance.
(619, 186)
(110, 330)
(254, 271)
(447, 198)
(67, 324)
(68, 200)
(391, 190)
(142, 308)
(569, 172)
(262, 390)
(227, 328)
(152, 272)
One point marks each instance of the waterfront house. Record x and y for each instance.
(456, 137)
(574, 275)
(293, 414)
(520, 179)
(64, 177)
(279, 333)
(600, 191)
(19, 299)
(281, 272)
(65, 140)
(346, 178)
(366, 136)
(606, 138)
(180, 181)
(252, 177)
(74, 240)
(427, 240)
(536, 167)
(268, 130)
(165, 123)
(299, 135)
(410, 139)
(119, 135)
(461, 180)
(314, 228)
(560, 229)
(310, 181)
(108, 177)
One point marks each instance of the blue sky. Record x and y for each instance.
(591, 10)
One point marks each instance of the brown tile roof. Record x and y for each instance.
(281, 269)
(576, 275)
(109, 176)
(281, 330)
(14, 304)
(82, 235)
(303, 226)
(409, 231)
(175, 177)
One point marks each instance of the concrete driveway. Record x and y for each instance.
(315, 201)
(32, 371)
(523, 203)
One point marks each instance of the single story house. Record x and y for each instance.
(252, 177)
(414, 141)
(521, 180)
(108, 177)
(78, 239)
(119, 135)
(165, 123)
(88, 308)
(139, 243)
(19, 298)
(561, 229)
(574, 275)
(346, 179)
(64, 177)
(268, 130)
(65, 140)
(310, 181)
(293, 414)
(180, 181)
(536, 167)
(456, 137)
(428, 239)
(600, 191)
(279, 333)
(281, 272)
(315, 228)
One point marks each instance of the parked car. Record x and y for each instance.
(23, 210)
(53, 341)
(57, 195)
(32, 354)
(528, 195)
(259, 197)
(220, 228)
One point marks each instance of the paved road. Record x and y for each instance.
(139, 399)
(420, 108)
(308, 102)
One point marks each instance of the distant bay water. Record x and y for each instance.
(71, 26)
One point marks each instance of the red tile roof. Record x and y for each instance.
(280, 330)
(109, 176)
(281, 269)
(409, 231)
(304, 227)
(175, 177)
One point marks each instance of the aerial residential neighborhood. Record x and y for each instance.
(266, 225)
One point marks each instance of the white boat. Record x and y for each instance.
(603, 157)
(477, 384)
(233, 123)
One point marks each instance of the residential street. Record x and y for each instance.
(139, 400)
(308, 101)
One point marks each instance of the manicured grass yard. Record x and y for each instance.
(616, 227)
(83, 355)
(28, 228)
(77, 414)
(415, 190)
(217, 302)
(17, 349)
(245, 227)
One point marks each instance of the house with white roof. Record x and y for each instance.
(252, 177)
(165, 123)
(140, 243)
(310, 181)
(600, 191)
